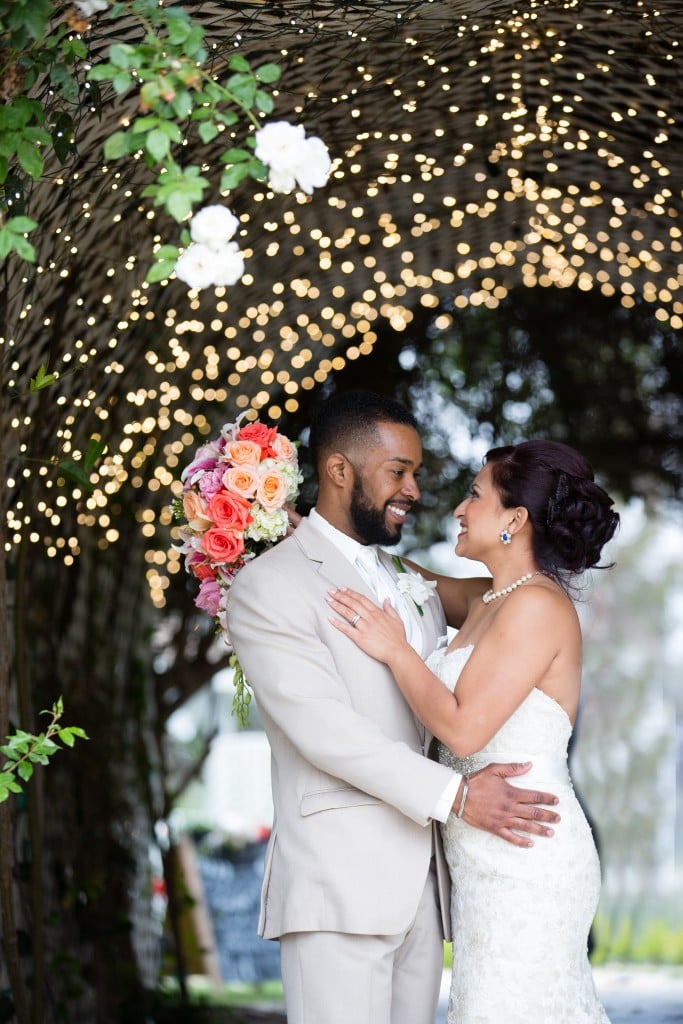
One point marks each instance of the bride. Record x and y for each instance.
(521, 916)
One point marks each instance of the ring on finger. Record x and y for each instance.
(355, 619)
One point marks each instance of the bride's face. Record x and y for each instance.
(482, 517)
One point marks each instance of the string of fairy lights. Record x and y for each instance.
(474, 151)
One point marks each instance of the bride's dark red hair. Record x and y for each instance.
(572, 517)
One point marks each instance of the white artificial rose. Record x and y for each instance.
(291, 158)
(202, 267)
(278, 144)
(315, 167)
(213, 226)
(281, 181)
(90, 7)
(195, 266)
(228, 266)
(415, 587)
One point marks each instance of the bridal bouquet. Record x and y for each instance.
(234, 493)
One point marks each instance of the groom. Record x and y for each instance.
(355, 886)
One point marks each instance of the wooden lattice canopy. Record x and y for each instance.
(477, 146)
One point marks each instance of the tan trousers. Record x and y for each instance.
(335, 978)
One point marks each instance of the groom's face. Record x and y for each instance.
(385, 485)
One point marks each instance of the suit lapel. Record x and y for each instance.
(332, 565)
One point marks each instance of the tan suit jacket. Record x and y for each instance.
(352, 789)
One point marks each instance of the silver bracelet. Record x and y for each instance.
(466, 781)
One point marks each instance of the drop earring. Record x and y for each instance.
(505, 536)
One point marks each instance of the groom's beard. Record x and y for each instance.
(369, 520)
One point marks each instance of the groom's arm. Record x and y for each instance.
(493, 805)
(456, 595)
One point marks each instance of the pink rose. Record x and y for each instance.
(209, 597)
(242, 480)
(284, 449)
(195, 511)
(229, 511)
(222, 545)
(272, 490)
(211, 482)
(243, 453)
(261, 435)
(205, 458)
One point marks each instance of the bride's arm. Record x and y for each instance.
(507, 663)
(456, 595)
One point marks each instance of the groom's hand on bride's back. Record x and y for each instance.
(495, 806)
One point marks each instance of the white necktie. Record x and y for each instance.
(382, 585)
(367, 561)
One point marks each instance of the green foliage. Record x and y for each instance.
(242, 697)
(13, 238)
(174, 89)
(654, 941)
(42, 379)
(79, 472)
(177, 96)
(25, 750)
(32, 45)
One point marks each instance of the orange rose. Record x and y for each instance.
(284, 449)
(229, 511)
(243, 480)
(243, 453)
(272, 490)
(195, 511)
(203, 571)
(222, 545)
(261, 435)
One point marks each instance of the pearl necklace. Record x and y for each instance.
(492, 595)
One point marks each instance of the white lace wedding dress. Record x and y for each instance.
(521, 917)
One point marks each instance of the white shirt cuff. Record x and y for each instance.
(445, 802)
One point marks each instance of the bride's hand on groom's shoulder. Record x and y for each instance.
(377, 631)
(495, 806)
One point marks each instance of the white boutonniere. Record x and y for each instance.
(414, 586)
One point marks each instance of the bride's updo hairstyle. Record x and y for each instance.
(571, 516)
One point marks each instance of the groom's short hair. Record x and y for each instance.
(350, 419)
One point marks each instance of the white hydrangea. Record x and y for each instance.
(291, 158)
(268, 526)
(294, 479)
(214, 226)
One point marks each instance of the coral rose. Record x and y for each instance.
(229, 511)
(243, 453)
(243, 480)
(272, 490)
(222, 545)
(261, 435)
